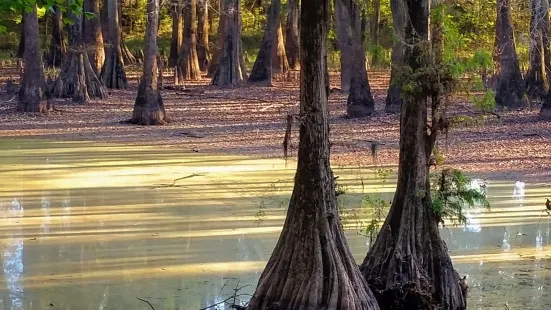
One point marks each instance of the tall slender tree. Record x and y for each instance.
(149, 108)
(177, 32)
(537, 81)
(220, 35)
(292, 34)
(113, 74)
(311, 266)
(188, 62)
(262, 68)
(33, 83)
(230, 69)
(409, 250)
(346, 46)
(280, 64)
(203, 49)
(360, 101)
(393, 100)
(21, 45)
(510, 89)
(57, 43)
(78, 80)
(93, 35)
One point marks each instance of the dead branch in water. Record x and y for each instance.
(233, 297)
(153, 308)
(178, 179)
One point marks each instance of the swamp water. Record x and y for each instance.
(93, 226)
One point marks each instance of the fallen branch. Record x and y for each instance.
(153, 308)
(10, 100)
(533, 135)
(178, 179)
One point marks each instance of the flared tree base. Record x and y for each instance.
(31, 100)
(113, 75)
(78, 80)
(149, 108)
(393, 101)
(545, 112)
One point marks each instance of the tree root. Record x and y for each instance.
(407, 296)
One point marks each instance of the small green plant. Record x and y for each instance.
(260, 214)
(451, 194)
(486, 103)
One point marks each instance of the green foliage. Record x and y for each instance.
(485, 103)
(451, 194)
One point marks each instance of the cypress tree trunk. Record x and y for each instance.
(360, 101)
(213, 64)
(203, 51)
(393, 100)
(149, 108)
(311, 266)
(510, 89)
(177, 33)
(33, 83)
(536, 78)
(112, 73)
(78, 79)
(409, 265)
(291, 35)
(262, 69)
(376, 31)
(93, 36)
(545, 112)
(280, 64)
(188, 62)
(21, 46)
(230, 69)
(57, 44)
(346, 45)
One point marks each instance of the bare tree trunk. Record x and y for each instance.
(311, 266)
(409, 258)
(220, 35)
(149, 108)
(177, 33)
(230, 69)
(112, 73)
(188, 62)
(291, 35)
(78, 79)
(262, 69)
(346, 45)
(376, 31)
(537, 82)
(510, 90)
(57, 44)
(93, 36)
(33, 83)
(203, 51)
(360, 101)
(394, 95)
(280, 64)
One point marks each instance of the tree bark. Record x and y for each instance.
(510, 89)
(376, 31)
(231, 68)
(93, 36)
(57, 44)
(149, 108)
(213, 65)
(545, 111)
(280, 64)
(393, 100)
(346, 45)
(536, 79)
(33, 83)
(188, 62)
(262, 69)
(203, 51)
(291, 35)
(360, 101)
(409, 257)
(177, 33)
(78, 79)
(311, 266)
(113, 74)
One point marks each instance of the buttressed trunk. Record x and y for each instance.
(57, 44)
(177, 32)
(409, 266)
(220, 35)
(33, 83)
(311, 266)
(536, 78)
(346, 45)
(280, 64)
(291, 35)
(360, 101)
(393, 100)
(231, 68)
(203, 51)
(93, 36)
(149, 108)
(510, 89)
(262, 69)
(112, 73)
(188, 63)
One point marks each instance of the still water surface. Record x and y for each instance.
(91, 226)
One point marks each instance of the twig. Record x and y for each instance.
(216, 304)
(10, 100)
(153, 308)
(533, 135)
(179, 179)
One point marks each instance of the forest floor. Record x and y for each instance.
(251, 120)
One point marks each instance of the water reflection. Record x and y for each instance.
(97, 235)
